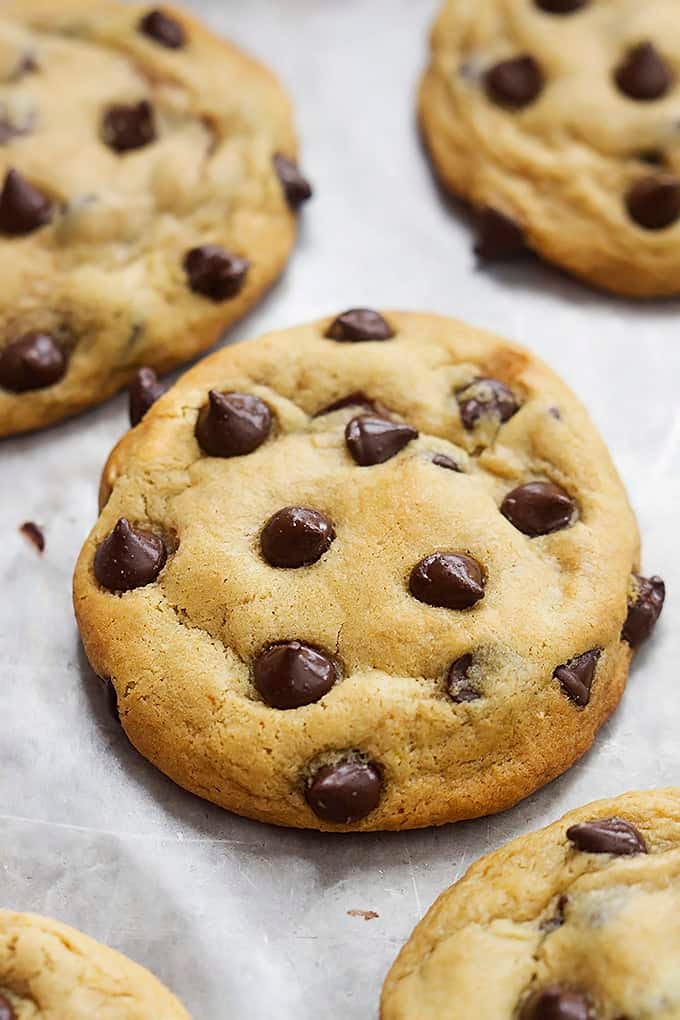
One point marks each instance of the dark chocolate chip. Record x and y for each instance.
(607, 836)
(356, 399)
(293, 674)
(6, 1009)
(498, 237)
(296, 537)
(34, 534)
(345, 792)
(576, 676)
(372, 440)
(442, 461)
(557, 920)
(654, 201)
(556, 1003)
(516, 82)
(129, 558)
(644, 74)
(538, 508)
(560, 6)
(448, 580)
(163, 29)
(459, 687)
(125, 128)
(296, 188)
(645, 602)
(232, 424)
(214, 272)
(144, 391)
(31, 362)
(23, 208)
(486, 397)
(359, 325)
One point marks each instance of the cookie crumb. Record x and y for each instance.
(34, 534)
(368, 915)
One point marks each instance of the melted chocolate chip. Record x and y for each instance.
(607, 836)
(457, 683)
(644, 74)
(372, 440)
(345, 792)
(125, 128)
(6, 1010)
(485, 397)
(560, 6)
(498, 237)
(215, 273)
(448, 580)
(163, 29)
(31, 362)
(296, 188)
(34, 534)
(296, 537)
(576, 676)
(654, 201)
(556, 1003)
(538, 508)
(442, 461)
(645, 602)
(232, 424)
(293, 674)
(129, 558)
(144, 391)
(357, 399)
(359, 325)
(515, 83)
(23, 208)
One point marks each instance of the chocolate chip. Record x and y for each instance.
(34, 534)
(498, 237)
(516, 82)
(293, 674)
(538, 508)
(296, 537)
(576, 676)
(448, 580)
(607, 836)
(125, 128)
(163, 29)
(644, 74)
(561, 6)
(23, 208)
(557, 920)
(486, 397)
(359, 325)
(214, 272)
(356, 399)
(129, 558)
(6, 1010)
(654, 201)
(296, 188)
(232, 424)
(144, 391)
(372, 440)
(556, 1003)
(442, 461)
(457, 682)
(31, 362)
(654, 157)
(645, 602)
(345, 792)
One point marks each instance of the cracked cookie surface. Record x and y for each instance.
(365, 573)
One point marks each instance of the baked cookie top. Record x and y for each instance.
(370, 572)
(558, 120)
(147, 197)
(49, 970)
(580, 921)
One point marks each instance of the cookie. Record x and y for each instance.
(368, 573)
(49, 970)
(579, 921)
(557, 120)
(139, 216)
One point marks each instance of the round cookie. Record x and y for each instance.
(580, 921)
(49, 970)
(557, 120)
(139, 216)
(367, 573)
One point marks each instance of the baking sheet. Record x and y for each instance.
(242, 920)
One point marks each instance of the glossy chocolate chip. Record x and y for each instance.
(214, 272)
(442, 461)
(296, 188)
(163, 29)
(372, 440)
(6, 1009)
(31, 362)
(144, 391)
(515, 83)
(654, 202)
(296, 537)
(457, 683)
(356, 399)
(576, 676)
(448, 580)
(232, 424)
(486, 397)
(125, 128)
(129, 558)
(23, 208)
(607, 836)
(644, 74)
(359, 325)
(645, 602)
(293, 674)
(538, 508)
(498, 237)
(555, 1002)
(560, 6)
(345, 792)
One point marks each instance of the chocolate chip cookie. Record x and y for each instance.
(49, 970)
(375, 572)
(580, 921)
(558, 120)
(148, 196)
